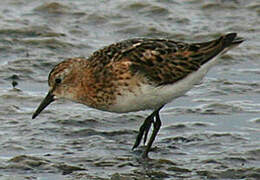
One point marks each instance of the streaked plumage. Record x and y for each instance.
(136, 74)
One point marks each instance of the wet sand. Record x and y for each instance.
(212, 132)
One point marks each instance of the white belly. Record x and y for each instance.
(150, 97)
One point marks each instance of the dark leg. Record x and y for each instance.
(144, 128)
(147, 130)
(156, 128)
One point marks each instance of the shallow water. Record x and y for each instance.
(211, 133)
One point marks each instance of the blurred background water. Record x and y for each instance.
(211, 133)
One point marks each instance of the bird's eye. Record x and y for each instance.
(58, 80)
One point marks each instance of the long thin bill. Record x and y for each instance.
(45, 102)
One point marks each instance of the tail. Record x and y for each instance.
(208, 50)
(231, 40)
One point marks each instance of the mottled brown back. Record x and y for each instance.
(160, 61)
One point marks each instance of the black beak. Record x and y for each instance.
(45, 102)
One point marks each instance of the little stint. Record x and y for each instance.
(136, 74)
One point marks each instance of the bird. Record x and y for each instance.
(136, 74)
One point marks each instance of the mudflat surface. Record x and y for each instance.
(211, 133)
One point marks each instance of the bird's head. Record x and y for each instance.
(62, 82)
